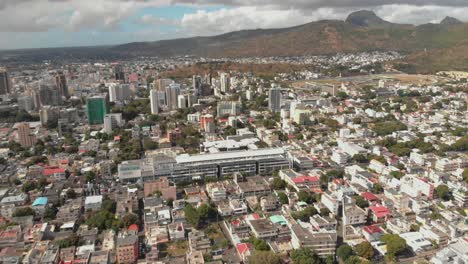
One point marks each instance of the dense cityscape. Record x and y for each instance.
(114, 162)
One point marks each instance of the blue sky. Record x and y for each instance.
(56, 23)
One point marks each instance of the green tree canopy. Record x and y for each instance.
(365, 250)
(264, 257)
(395, 244)
(344, 251)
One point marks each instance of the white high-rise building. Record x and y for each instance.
(274, 99)
(112, 121)
(154, 101)
(172, 94)
(225, 82)
(181, 101)
(119, 92)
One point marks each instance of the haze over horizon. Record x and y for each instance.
(59, 23)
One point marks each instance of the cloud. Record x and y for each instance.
(154, 21)
(38, 18)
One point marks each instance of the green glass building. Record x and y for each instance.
(96, 109)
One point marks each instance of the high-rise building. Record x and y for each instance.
(25, 137)
(205, 119)
(181, 101)
(112, 121)
(154, 101)
(96, 109)
(47, 96)
(61, 84)
(119, 73)
(197, 84)
(224, 80)
(274, 99)
(26, 103)
(172, 94)
(119, 92)
(49, 114)
(228, 108)
(162, 84)
(5, 82)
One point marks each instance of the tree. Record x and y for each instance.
(71, 194)
(377, 188)
(333, 174)
(344, 251)
(305, 214)
(397, 174)
(90, 176)
(278, 184)
(263, 257)
(443, 192)
(50, 214)
(169, 202)
(259, 244)
(70, 241)
(306, 197)
(24, 211)
(28, 186)
(356, 260)
(365, 250)
(305, 256)
(192, 216)
(206, 212)
(129, 219)
(465, 175)
(148, 144)
(324, 211)
(395, 244)
(283, 198)
(359, 158)
(361, 202)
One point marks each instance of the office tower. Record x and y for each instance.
(119, 92)
(47, 96)
(274, 99)
(197, 84)
(162, 84)
(191, 100)
(5, 82)
(228, 108)
(96, 109)
(172, 93)
(224, 80)
(26, 103)
(49, 114)
(25, 137)
(249, 95)
(112, 121)
(181, 101)
(154, 101)
(119, 73)
(61, 84)
(205, 120)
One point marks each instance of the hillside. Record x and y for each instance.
(361, 31)
(430, 47)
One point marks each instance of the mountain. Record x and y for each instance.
(450, 21)
(361, 31)
(365, 18)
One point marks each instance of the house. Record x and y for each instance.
(93, 203)
(39, 205)
(238, 207)
(372, 233)
(127, 249)
(354, 215)
(263, 228)
(324, 243)
(163, 185)
(199, 241)
(416, 241)
(379, 213)
(244, 250)
(195, 257)
(176, 231)
(269, 203)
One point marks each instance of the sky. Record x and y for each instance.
(61, 23)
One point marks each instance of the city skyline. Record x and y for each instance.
(61, 23)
